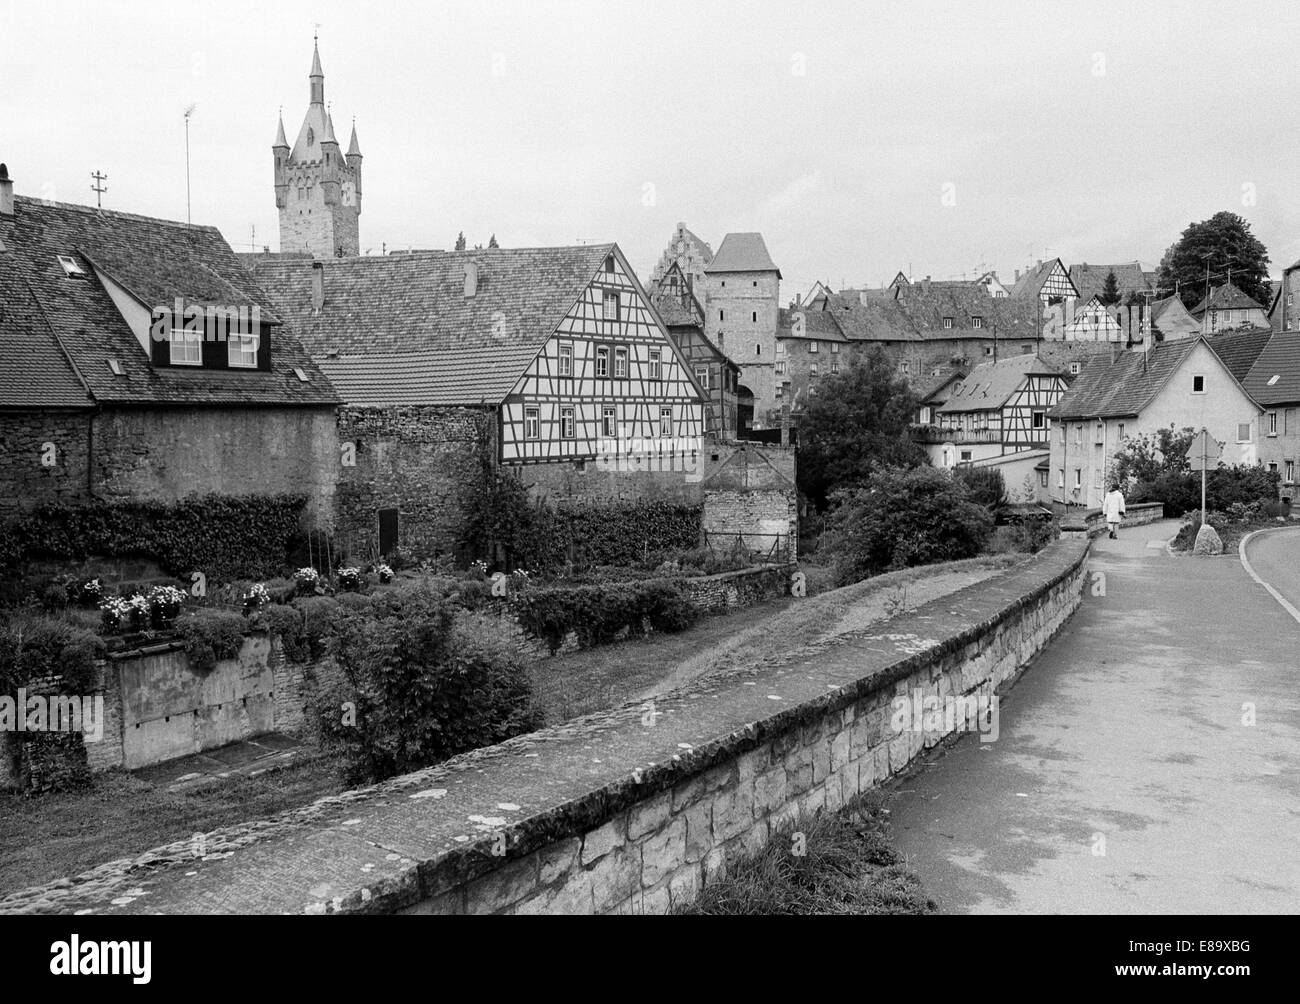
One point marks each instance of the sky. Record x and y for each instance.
(861, 139)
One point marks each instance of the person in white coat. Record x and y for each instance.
(1113, 507)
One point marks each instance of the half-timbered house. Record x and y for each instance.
(1049, 285)
(547, 361)
(1094, 321)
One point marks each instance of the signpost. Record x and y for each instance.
(1203, 453)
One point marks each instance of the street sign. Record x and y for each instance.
(1204, 453)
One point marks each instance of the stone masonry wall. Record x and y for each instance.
(24, 480)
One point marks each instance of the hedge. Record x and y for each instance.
(223, 536)
(597, 614)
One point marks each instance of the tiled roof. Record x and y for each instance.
(157, 261)
(989, 385)
(819, 325)
(1275, 376)
(1030, 285)
(742, 253)
(1239, 349)
(1226, 297)
(872, 319)
(1090, 280)
(1123, 387)
(412, 308)
(931, 386)
(34, 371)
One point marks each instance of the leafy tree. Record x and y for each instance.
(903, 517)
(1146, 457)
(857, 424)
(984, 486)
(1109, 295)
(1223, 241)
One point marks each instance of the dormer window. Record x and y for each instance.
(242, 351)
(70, 267)
(115, 366)
(186, 347)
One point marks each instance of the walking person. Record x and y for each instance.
(1113, 507)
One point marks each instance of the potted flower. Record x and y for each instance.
(165, 604)
(114, 614)
(258, 596)
(350, 579)
(385, 573)
(308, 580)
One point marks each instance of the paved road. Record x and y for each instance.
(1126, 736)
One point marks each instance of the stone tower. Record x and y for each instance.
(318, 188)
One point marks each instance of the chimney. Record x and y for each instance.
(471, 278)
(317, 285)
(6, 192)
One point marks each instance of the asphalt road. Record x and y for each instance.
(1126, 778)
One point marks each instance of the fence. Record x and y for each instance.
(773, 546)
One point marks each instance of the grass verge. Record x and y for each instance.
(825, 864)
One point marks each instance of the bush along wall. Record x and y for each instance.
(223, 536)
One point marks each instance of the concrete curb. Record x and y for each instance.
(1242, 545)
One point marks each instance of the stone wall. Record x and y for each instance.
(1093, 521)
(24, 480)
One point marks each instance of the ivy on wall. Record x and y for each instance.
(223, 536)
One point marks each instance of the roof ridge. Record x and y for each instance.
(94, 211)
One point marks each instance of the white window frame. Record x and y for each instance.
(609, 421)
(602, 361)
(665, 421)
(947, 322)
(812, 347)
(1200, 377)
(565, 355)
(835, 348)
(656, 364)
(568, 423)
(186, 341)
(977, 322)
(620, 362)
(1272, 423)
(532, 422)
(780, 367)
(702, 376)
(237, 350)
(610, 296)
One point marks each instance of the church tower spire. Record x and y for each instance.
(317, 187)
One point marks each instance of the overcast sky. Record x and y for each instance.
(860, 138)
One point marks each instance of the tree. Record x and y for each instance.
(1224, 242)
(1146, 457)
(1110, 291)
(856, 424)
(460, 241)
(492, 242)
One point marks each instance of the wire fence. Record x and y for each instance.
(772, 546)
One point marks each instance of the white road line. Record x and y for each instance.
(1245, 563)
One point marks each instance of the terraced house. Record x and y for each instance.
(550, 362)
(140, 360)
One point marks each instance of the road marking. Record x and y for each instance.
(1245, 562)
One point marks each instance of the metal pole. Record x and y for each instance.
(1205, 448)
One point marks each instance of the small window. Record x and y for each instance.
(965, 456)
(608, 421)
(780, 367)
(1040, 420)
(753, 316)
(988, 350)
(115, 365)
(835, 348)
(1290, 471)
(780, 390)
(1198, 384)
(1060, 478)
(835, 365)
(1119, 432)
(609, 264)
(977, 322)
(610, 305)
(1272, 423)
(665, 421)
(754, 283)
(620, 362)
(1074, 369)
(904, 366)
(1042, 479)
(301, 375)
(656, 364)
(702, 376)
(758, 350)
(947, 322)
(1096, 477)
(812, 369)
(70, 267)
(241, 351)
(812, 347)
(186, 348)
(602, 360)
(812, 389)
(566, 423)
(1078, 478)
(1272, 468)
(1024, 351)
(1243, 432)
(1078, 435)
(722, 314)
(532, 423)
(566, 359)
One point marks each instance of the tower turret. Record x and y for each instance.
(354, 165)
(280, 151)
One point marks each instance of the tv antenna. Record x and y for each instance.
(188, 112)
(99, 188)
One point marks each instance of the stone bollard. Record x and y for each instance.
(1207, 541)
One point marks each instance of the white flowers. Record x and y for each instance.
(257, 597)
(385, 573)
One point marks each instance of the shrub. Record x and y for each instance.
(318, 614)
(34, 647)
(165, 604)
(307, 580)
(286, 623)
(349, 579)
(984, 486)
(598, 614)
(210, 635)
(903, 517)
(424, 687)
(1180, 491)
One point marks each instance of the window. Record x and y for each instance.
(702, 376)
(1078, 478)
(602, 360)
(780, 367)
(1272, 423)
(780, 391)
(1198, 384)
(835, 348)
(812, 388)
(1026, 349)
(812, 370)
(812, 347)
(1290, 471)
(608, 421)
(241, 351)
(754, 283)
(186, 348)
(965, 456)
(656, 364)
(1099, 437)
(722, 314)
(758, 350)
(70, 267)
(1074, 369)
(1060, 478)
(1062, 435)
(566, 423)
(610, 305)
(904, 366)
(1096, 477)
(532, 423)
(988, 350)
(1042, 479)
(609, 264)
(1078, 434)
(566, 359)
(835, 365)
(753, 316)
(1040, 420)
(780, 348)
(620, 362)
(1272, 468)
(947, 322)
(1243, 432)
(977, 322)
(665, 421)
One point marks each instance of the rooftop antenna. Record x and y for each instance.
(98, 188)
(188, 112)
